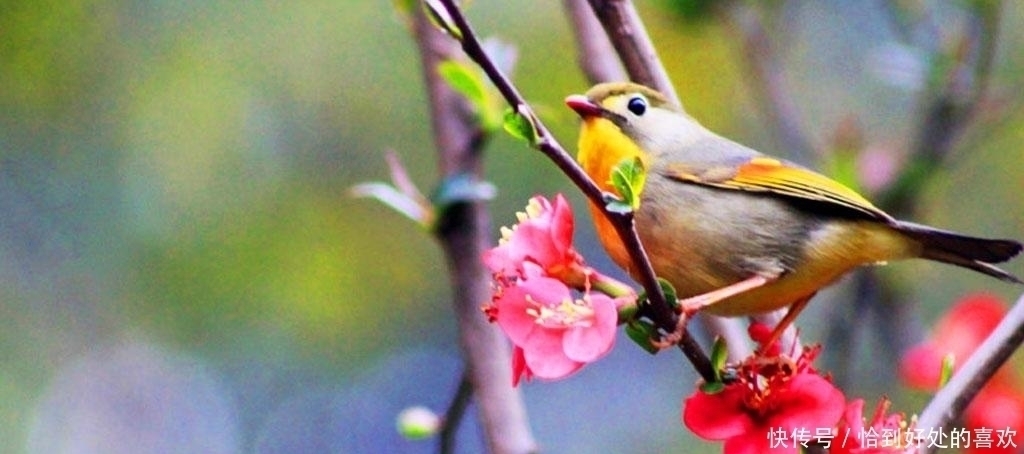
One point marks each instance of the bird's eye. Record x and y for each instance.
(637, 105)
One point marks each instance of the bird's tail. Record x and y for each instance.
(978, 254)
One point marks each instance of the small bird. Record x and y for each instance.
(738, 232)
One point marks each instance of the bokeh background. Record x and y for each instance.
(183, 270)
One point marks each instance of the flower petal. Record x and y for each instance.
(807, 401)
(718, 416)
(587, 344)
(547, 360)
(513, 307)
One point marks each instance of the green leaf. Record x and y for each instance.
(666, 289)
(719, 355)
(641, 333)
(628, 178)
(463, 79)
(670, 292)
(520, 125)
(948, 364)
(469, 82)
(437, 14)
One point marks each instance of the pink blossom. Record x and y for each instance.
(543, 236)
(958, 332)
(554, 333)
(886, 433)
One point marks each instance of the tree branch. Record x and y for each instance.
(453, 415)
(769, 83)
(624, 28)
(463, 233)
(951, 400)
(595, 54)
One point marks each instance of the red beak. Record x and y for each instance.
(583, 106)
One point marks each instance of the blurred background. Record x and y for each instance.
(183, 270)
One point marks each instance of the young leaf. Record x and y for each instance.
(628, 178)
(669, 291)
(719, 354)
(469, 82)
(642, 332)
(463, 79)
(948, 363)
(520, 125)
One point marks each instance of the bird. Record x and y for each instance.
(738, 232)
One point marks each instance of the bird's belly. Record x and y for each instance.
(701, 260)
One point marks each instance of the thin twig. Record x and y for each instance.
(463, 233)
(453, 415)
(951, 400)
(660, 311)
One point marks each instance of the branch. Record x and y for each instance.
(950, 109)
(768, 82)
(463, 233)
(951, 400)
(595, 54)
(629, 37)
(453, 415)
(660, 311)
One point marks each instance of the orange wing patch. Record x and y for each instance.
(764, 174)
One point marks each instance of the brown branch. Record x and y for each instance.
(951, 400)
(629, 37)
(463, 233)
(595, 54)
(659, 310)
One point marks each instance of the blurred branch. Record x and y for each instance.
(463, 231)
(595, 54)
(949, 107)
(951, 400)
(624, 28)
(660, 311)
(767, 80)
(453, 415)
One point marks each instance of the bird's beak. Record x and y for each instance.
(583, 106)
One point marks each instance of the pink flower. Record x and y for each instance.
(543, 236)
(771, 396)
(999, 405)
(959, 332)
(553, 333)
(885, 434)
